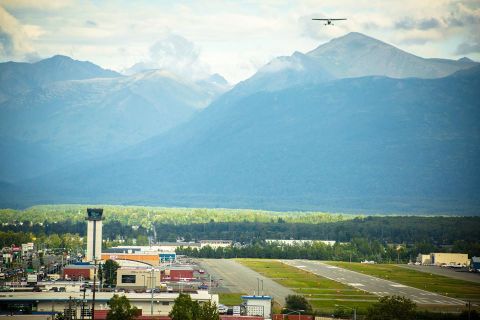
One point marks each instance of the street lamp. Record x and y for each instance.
(299, 312)
(354, 310)
(144, 285)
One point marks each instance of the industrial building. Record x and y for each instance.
(444, 259)
(424, 259)
(449, 259)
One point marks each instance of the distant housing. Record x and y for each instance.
(292, 242)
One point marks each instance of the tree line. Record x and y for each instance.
(358, 249)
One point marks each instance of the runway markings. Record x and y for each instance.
(355, 284)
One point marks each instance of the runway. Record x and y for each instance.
(377, 286)
(233, 277)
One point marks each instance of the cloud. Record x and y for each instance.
(90, 23)
(36, 4)
(421, 24)
(175, 54)
(14, 41)
(468, 48)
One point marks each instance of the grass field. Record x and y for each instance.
(322, 293)
(450, 287)
(230, 299)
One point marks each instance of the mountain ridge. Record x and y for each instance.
(302, 133)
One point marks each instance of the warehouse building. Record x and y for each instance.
(424, 259)
(449, 259)
(178, 273)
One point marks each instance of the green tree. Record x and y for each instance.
(110, 268)
(392, 308)
(298, 302)
(208, 311)
(120, 309)
(185, 308)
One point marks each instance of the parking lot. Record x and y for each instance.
(461, 274)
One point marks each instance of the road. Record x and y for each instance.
(377, 286)
(236, 278)
(447, 272)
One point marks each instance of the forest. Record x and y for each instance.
(382, 238)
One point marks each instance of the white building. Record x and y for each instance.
(258, 306)
(94, 234)
(292, 242)
(27, 247)
(162, 303)
(214, 244)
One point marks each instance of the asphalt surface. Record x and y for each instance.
(233, 277)
(461, 274)
(377, 286)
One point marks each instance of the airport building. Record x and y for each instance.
(424, 259)
(451, 259)
(148, 259)
(258, 306)
(139, 278)
(51, 302)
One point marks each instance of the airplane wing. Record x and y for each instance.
(328, 19)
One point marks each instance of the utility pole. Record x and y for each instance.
(469, 304)
(82, 312)
(152, 285)
(94, 288)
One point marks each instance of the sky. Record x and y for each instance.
(232, 38)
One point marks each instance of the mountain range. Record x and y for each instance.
(70, 111)
(354, 125)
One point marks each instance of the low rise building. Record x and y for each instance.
(258, 306)
(79, 272)
(50, 302)
(138, 278)
(178, 273)
(148, 258)
(293, 242)
(27, 247)
(214, 244)
(453, 259)
(424, 259)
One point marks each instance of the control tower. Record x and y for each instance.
(94, 234)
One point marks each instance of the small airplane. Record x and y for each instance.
(328, 21)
